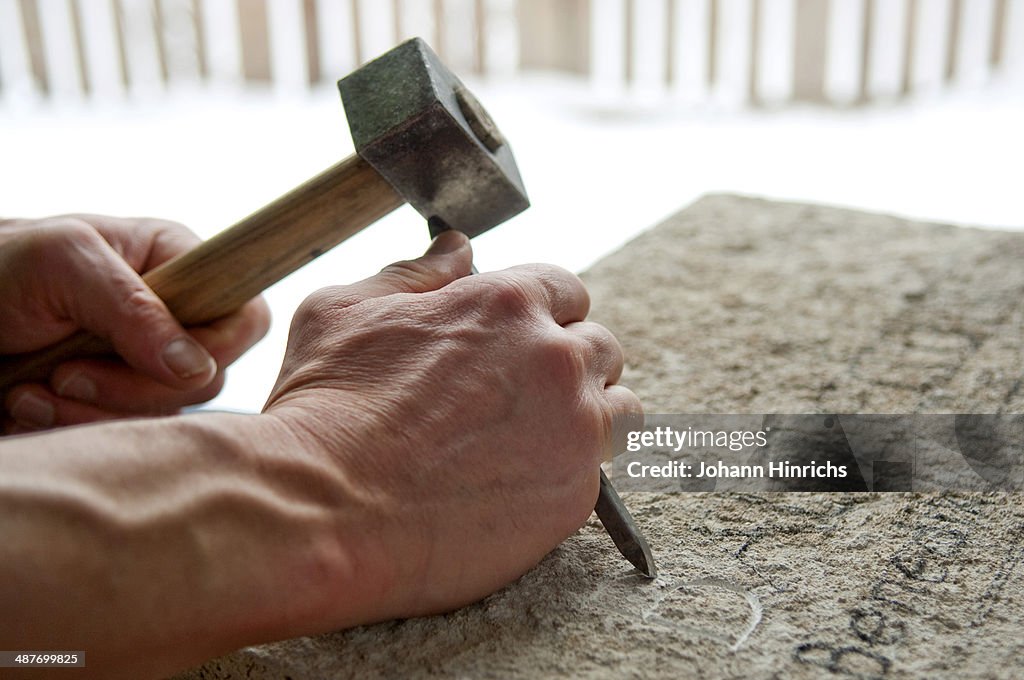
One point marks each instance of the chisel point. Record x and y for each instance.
(620, 526)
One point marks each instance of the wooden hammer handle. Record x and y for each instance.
(220, 275)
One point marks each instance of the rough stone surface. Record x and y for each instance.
(739, 305)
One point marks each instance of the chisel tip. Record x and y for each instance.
(620, 526)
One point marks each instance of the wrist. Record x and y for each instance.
(363, 571)
(296, 569)
(335, 567)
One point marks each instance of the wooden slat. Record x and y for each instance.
(844, 45)
(953, 39)
(161, 48)
(811, 50)
(80, 59)
(415, 20)
(649, 49)
(726, 51)
(336, 33)
(376, 27)
(312, 41)
(995, 56)
(459, 45)
(254, 34)
(607, 45)
(1013, 41)
(712, 44)
(690, 54)
(141, 52)
(18, 84)
(34, 42)
(755, 49)
(731, 86)
(972, 65)
(930, 44)
(222, 44)
(178, 42)
(501, 38)
(549, 35)
(776, 29)
(63, 73)
(100, 46)
(289, 70)
(438, 39)
(909, 36)
(887, 49)
(631, 39)
(200, 30)
(479, 36)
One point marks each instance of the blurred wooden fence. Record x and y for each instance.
(732, 51)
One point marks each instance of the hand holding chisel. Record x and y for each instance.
(609, 508)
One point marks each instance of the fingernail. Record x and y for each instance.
(77, 386)
(30, 409)
(447, 242)
(186, 358)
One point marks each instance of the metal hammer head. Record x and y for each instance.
(422, 130)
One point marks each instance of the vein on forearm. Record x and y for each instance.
(188, 531)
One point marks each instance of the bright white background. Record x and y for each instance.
(596, 176)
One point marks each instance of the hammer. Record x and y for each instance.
(420, 136)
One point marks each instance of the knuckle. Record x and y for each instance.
(564, 360)
(67, 232)
(164, 231)
(322, 307)
(558, 278)
(157, 225)
(405, 273)
(506, 298)
(142, 304)
(319, 302)
(57, 243)
(558, 274)
(612, 348)
(632, 407)
(548, 271)
(603, 340)
(312, 309)
(259, 318)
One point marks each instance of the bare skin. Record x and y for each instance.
(430, 438)
(62, 274)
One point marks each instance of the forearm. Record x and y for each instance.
(185, 537)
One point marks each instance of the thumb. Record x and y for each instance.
(448, 258)
(104, 295)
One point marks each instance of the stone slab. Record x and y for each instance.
(739, 305)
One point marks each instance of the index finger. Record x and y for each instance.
(144, 242)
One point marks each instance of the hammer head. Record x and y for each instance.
(422, 130)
